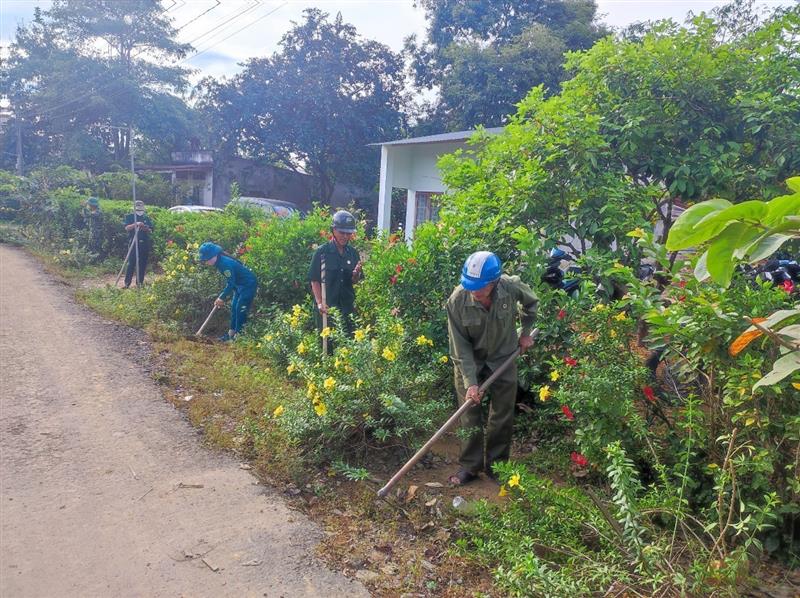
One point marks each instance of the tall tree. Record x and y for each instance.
(313, 105)
(87, 65)
(484, 57)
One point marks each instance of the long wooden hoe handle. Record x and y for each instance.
(208, 319)
(324, 293)
(468, 404)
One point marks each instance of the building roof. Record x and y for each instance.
(440, 138)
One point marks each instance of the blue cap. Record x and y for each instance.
(207, 251)
(480, 269)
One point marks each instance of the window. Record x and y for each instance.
(427, 207)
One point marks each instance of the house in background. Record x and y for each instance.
(192, 172)
(410, 164)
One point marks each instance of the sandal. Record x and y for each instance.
(462, 477)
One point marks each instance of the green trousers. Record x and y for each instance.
(480, 449)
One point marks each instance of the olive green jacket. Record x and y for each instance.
(481, 337)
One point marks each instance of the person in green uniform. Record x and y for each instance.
(342, 270)
(93, 222)
(482, 325)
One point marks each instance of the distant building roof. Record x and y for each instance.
(441, 137)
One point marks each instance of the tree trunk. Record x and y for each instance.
(19, 147)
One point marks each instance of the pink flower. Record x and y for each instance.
(393, 279)
(567, 412)
(649, 394)
(571, 362)
(788, 286)
(561, 314)
(398, 268)
(579, 459)
(170, 242)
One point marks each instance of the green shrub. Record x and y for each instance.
(383, 387)
(153, 189)
(182, 228)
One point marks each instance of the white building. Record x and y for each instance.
(410, 164)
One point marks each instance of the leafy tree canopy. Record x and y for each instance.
(84, 66)
(483, 57)
(313, 105)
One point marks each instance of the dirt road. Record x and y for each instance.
(104, 487)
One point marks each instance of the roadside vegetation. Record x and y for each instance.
(682, 478)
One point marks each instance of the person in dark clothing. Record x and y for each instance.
(138, 221)
(342, 269)
(93, 222)
(240, 281)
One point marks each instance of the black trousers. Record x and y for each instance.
(144, 254)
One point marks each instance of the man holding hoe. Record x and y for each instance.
(482, 325)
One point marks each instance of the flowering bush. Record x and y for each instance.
(381, 388)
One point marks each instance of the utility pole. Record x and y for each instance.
(19, 145)
(133, 192)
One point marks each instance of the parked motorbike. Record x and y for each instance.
(555, 276)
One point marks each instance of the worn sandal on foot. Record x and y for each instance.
(462, 477)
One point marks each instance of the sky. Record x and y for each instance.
(228, 32)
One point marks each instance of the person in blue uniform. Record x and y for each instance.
(240, 281)
(141, 221)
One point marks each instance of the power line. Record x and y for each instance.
(205, 12)
(184, 60)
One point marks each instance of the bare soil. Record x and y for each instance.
(105, 489)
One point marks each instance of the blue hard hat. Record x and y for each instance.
(480, 269)
(207, 251)
(559, 253)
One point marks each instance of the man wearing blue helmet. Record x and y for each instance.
(240, 281)
(482, 324)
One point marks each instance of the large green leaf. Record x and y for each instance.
(748, 210)
(794, 183)
(685, 233)
(783, 367)
(765, 246)
(780, 207)
(701, 267)
(720, 261)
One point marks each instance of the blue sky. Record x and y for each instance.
(227, 32)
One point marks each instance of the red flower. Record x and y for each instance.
(393, 279)
(561, 314)
(682, 284)
(398, 268)
(579, 459)
(649, 394)
(571, 362)
(567, 412)
(682, 298)
(788, 286)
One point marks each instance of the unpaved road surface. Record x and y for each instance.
(104, 487)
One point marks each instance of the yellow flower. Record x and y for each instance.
(514, 481)
(636, 233)
(544, 393)
(359, 335)
(297, 310)
(600, 307)
(326, 332)
(320, 408)
(613, 334)
(185, 258)
(337, 363)
(291, 368)
(311, 390)
(278, 411)
(268, 337)
(503, 491)
(344, 351)
(554, 375)
(620, 316)
(398, 329)
(796, 385)
(388, 354)
(359, 382)
(294, 322)
(329, 383)
(422, 340)
(443, 359)
(301, 348)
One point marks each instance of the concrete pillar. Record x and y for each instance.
(411, 214)
(385, 192)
